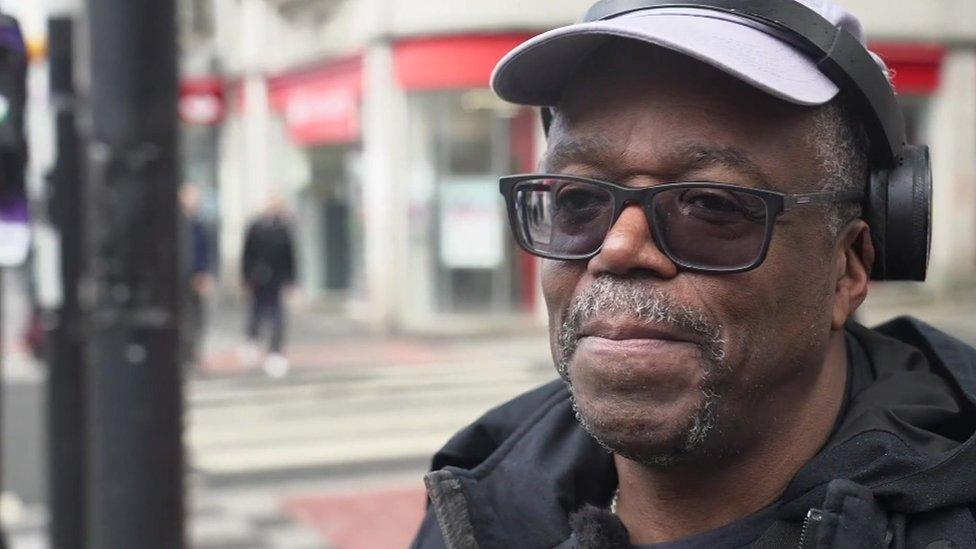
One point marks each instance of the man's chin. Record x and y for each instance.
(653, 440)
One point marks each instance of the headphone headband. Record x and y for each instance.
(838, 54)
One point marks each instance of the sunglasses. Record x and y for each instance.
(701, 226)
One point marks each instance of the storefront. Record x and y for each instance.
(317, 113)
(461, 139)
(446, 138)
(202, 109)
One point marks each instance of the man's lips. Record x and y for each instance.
(624, 331)
(625, 356)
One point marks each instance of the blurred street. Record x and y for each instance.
(343, 439)
(318, 457)
(315, 458)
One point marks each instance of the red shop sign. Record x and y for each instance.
(202, 100)
(321, 105)
(915, 67)
(451, 62)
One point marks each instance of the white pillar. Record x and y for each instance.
(953, 141)
(233, 209)
(244, 148)
(384, 188)
(257, 125)
(256, 108)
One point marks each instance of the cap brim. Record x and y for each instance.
(536, 72)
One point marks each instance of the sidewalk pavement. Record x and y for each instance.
(357, 519)
(316, 340)
(321, 341)
(339, 371)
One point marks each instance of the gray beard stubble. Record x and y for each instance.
(637, 298)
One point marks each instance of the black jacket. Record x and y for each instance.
(899, 470)
(269, 256)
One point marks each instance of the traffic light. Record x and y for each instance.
(13, 98)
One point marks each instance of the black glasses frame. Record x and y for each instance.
(776, 203)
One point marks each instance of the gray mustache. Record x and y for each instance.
(639, 299)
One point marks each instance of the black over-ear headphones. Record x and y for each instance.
(898, 207)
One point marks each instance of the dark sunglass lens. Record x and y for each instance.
(711, 228)
(562, 218)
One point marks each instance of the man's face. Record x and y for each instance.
(665, 364)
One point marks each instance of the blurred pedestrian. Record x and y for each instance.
(197, 278)
(268, 268)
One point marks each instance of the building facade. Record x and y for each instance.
(374, 119)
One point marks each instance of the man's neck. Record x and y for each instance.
(668, 503)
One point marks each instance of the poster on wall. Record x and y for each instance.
(471, 224)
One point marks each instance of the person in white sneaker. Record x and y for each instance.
(268, 269)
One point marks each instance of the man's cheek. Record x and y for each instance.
(743, 307)
(556, 290)
(559, 279)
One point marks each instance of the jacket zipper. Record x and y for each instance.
(808, 535)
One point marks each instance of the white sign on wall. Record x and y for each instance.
(471, 224)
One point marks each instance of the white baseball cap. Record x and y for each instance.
(537, 71)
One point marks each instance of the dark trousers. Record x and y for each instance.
(191, 332)
(266, 305)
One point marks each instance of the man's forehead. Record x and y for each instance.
(567, 150)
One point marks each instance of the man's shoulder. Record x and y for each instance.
(480, 439)
(907, 431)
(905, 335)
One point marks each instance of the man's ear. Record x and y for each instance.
(855, 256)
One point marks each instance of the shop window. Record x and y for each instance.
(468, 137)
(334, 198)
(470, 151)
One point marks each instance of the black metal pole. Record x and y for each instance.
(66, 350)
(135, 404)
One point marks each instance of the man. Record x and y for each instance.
(197, 277)
(715, 392)
(268, 267)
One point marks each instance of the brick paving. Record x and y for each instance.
(361, 520)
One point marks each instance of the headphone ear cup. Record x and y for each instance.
(900, 215)
(876, 214)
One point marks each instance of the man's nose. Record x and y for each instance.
(628, 247)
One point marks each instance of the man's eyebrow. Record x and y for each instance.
(698, 156)
(564, 152)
